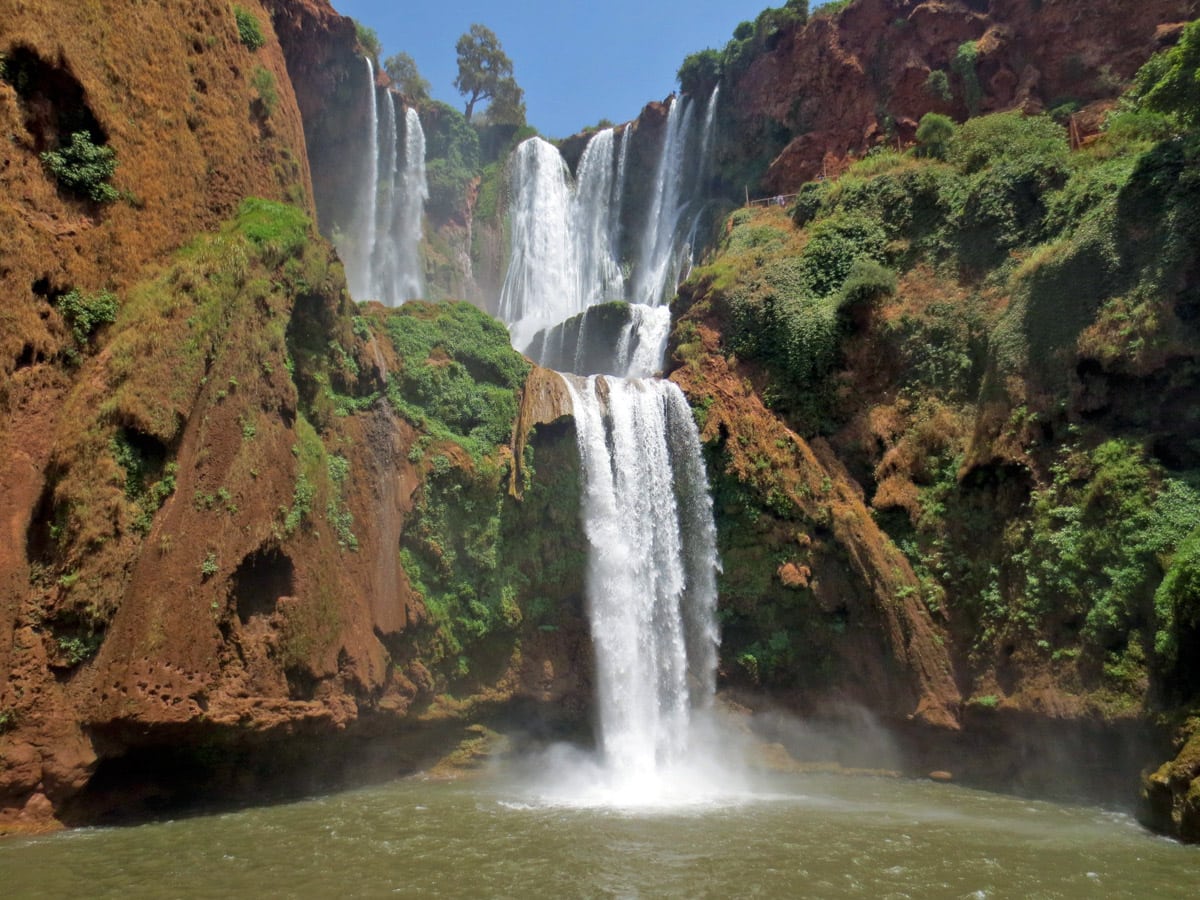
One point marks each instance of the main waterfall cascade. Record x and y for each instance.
(647, 512)
(651, 573)
(381, 249)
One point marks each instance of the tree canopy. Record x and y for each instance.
(402, 69)
(486, 73)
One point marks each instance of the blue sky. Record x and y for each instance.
(578, 62)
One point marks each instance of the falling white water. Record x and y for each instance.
(614, 238)
(541, 285)
(660, 261)
(651, 582)
(564, 250)
(381, 250)
(599, 271)
(410, 212)
(708, 135)
(372, 195)
(703, 173)
(382, 272)
(643, 341)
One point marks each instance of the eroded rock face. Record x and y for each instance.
(1171, 794)
(838, 86)
(184, 114)
(204, 500)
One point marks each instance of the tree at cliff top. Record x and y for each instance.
(402, 69)
(486, 73)
(701, 71)
(368, 39)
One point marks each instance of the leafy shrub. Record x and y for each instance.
(459, 375)
(867, 283)
(937, 84)
(368, 39)
(84, 313)
(963, 64)
(84, 167)
(1175, 77)
(934, 135)
(986, 141)
(834, 245)
(700, 72)
(1012, 162)
(1177, 602)
(809, 201)
(263, 83)
(249, 31)
(453, 153)
(1096, 536)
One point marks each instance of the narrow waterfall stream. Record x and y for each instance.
(381, 246)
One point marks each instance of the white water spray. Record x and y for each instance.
(651, 583)
(371, 228)
(541, 285)
(599, 271)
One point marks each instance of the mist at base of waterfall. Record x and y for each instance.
(714, 772)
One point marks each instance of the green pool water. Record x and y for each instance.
(493, 836)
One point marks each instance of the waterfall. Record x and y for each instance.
(372, 193)
(651, 576)
(659, 262)
(541, 285)
(708, 135)
(619, 191)
(410, 281)
(564, 250)
(599, 271)
(643, 341)
(646, 508)
(381, 250)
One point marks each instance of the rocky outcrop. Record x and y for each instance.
(1171, 794)
(180, 99)
(326, 65)
(841, 84)
(888, 655)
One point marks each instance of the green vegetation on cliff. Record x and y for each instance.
(466, 548)
(996, 335)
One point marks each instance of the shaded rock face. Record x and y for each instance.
(840, 85)
(1171, 794)
(323, 62)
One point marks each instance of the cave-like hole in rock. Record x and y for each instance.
(45, 528)
(262, 578)
(53, 102)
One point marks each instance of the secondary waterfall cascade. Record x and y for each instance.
(381, 248)
(570, 250)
